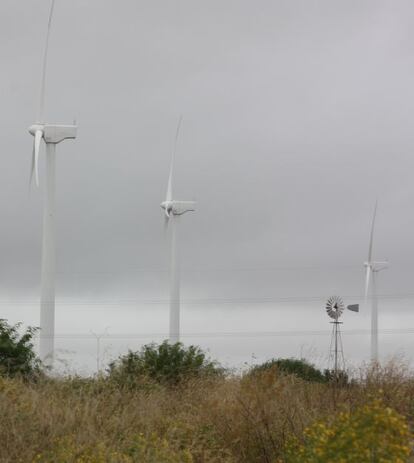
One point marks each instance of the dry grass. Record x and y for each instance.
(210, 420)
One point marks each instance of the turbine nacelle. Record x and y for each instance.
(177, 207)
(376, 266)
(54, 133)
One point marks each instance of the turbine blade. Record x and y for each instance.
(36, 149)
(371, 239)
(32, 168)
(367, 279)
(170, 177)
(44, 69)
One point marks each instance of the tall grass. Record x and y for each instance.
(234, 419)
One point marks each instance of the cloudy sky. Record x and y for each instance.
(296, 117)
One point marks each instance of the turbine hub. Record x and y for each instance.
(167, 206)
(35, 127)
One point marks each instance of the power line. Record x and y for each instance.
(224, 268)
(231, 268)
(252, 334)
(211, 300)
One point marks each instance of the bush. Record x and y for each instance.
(17, 357)
(300, 368)
(164, 363)
(373, 433)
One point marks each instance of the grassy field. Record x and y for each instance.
(224, 419)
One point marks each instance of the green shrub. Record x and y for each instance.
(165, 363)
(17, 356)
(300, 368)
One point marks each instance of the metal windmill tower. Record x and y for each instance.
(334, 309)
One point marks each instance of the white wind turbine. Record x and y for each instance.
(372, 268)
(173, 209)
(51, 134)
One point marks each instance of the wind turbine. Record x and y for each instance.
(372, 268)
(51, 134)
(173, 210)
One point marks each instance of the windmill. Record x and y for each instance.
(371, 269)
(335, 308)
(51, 134)
(173, 209)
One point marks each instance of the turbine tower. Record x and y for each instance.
(371, 270)
(51, 134)
(173, 210)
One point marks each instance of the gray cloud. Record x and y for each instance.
(296, 118)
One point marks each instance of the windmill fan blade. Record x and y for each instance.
(166, 222)
(169, 187)
(43, 82)
(180, 120)
(371, 238)
(367, 278)
(32, 168)
(36, 149)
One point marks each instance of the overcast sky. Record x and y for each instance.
(297, 115)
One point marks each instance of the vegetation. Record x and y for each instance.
(263, 417)
(164, 363)
(301, 368)
(372, 433)
(17, 356)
